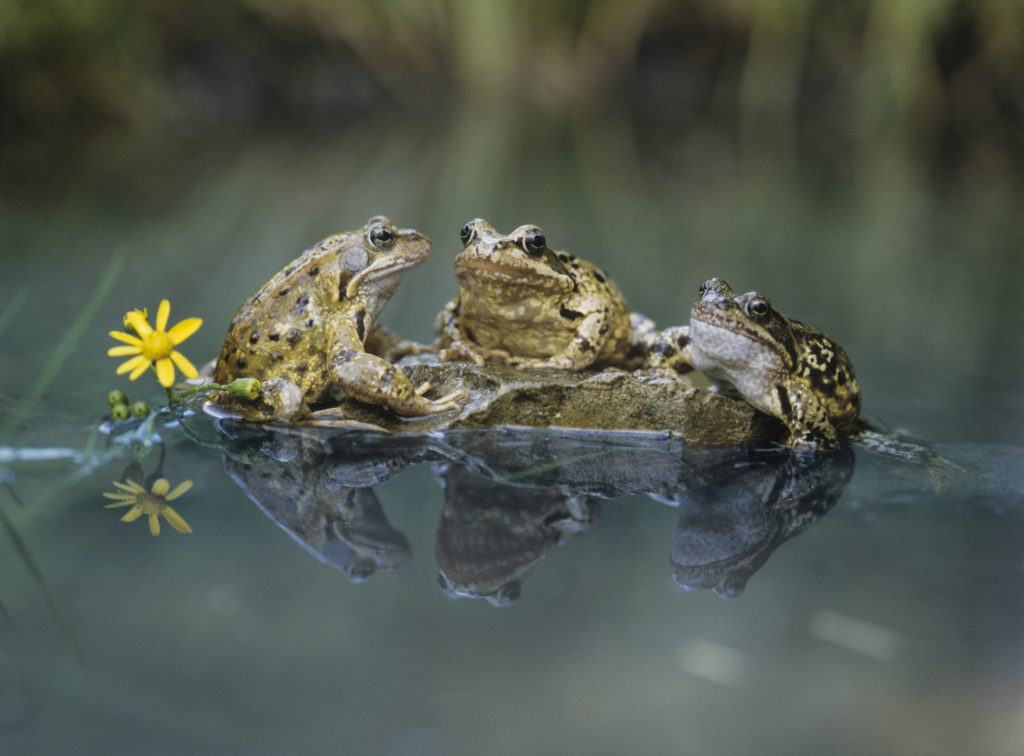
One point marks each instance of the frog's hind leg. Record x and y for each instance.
(670, 350)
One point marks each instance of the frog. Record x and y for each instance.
(308, 330)
(781, 366)
(535, 308)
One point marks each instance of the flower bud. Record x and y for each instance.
(245, 388)
(140, 409)
(117, 397)
(120, 411)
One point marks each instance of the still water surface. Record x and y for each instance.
(874, 607)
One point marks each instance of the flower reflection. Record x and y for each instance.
(152, 503)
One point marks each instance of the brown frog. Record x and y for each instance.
(781, 366)
(534, 307)
(305, 332)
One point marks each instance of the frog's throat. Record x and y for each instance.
(379, 269)
(734, 327)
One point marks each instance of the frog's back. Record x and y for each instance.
(826, 369)
(278, 331)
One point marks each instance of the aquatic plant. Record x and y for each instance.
(152, 503)
(154, 346)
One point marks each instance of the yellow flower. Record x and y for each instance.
(152, 503)
(154, 346)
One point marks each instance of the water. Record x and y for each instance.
(881, 607)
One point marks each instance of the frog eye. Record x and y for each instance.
(380, 236)
(468, 233)
(759, 307)
(534, 243)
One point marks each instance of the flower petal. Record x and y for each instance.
(139, 369)
(161, 486)
(132, 514)
(127, 338)
(184, 329)
(184, 365)
(176, 522)
(119, 504)
(154, 524)
(136, 319)
(119, 496)
(165, 372)
(123, 350)
(162, 313)
(178, 490)
(132, 364)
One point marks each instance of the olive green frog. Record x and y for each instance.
(534, 307)
(305, 332)
(781, 366)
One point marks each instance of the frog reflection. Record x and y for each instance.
(317, 487)
(491, 534)
(741, 505)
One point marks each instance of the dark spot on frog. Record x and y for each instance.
(344, 355)
(564, 257)
(598, 276)
(314, 271)
(294, 336)
(254, 337)
(310, 323)
(241, 363)
(565, 312)
(682, 341)
(585, 344)
(300, 306)
(361, 325)
(574, 265)
(665, 350)
(274, 336)
(784, 403)
(603, 330)
(470, 335)
(303, 368)
(638, 350)
(289, 270)
(282, 292)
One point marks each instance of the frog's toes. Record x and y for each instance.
(284, 397)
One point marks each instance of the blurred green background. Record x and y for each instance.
(945, 73)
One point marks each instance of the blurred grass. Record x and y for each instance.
(944, 71)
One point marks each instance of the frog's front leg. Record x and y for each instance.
(452, 345)
(670, 350)
(806, 418)
(371, 379)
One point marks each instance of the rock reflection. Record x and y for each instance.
(512, 495)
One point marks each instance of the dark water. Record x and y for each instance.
(876, 606)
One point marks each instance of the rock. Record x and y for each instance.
(608, 400)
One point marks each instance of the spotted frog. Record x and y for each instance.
(781, 366)
(534, 307)
(305, 332)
